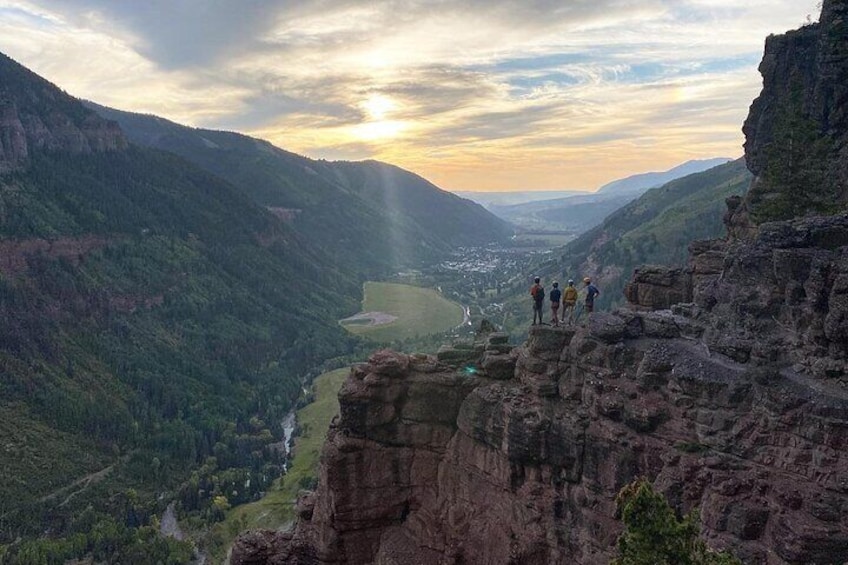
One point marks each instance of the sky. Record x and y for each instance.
(483, 95)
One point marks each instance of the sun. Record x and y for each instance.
(377, 124)
(378, 106)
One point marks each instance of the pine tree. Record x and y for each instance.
(654, 535)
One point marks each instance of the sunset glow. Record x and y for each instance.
(502, 95)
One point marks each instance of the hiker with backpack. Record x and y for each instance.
(556, 293)
(591, 292)
(569, 300)
(537, 291)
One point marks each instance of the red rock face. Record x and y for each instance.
(15, 254)
(427, 465)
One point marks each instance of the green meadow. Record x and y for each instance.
(419, 311)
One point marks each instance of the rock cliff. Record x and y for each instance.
(734, 403)
(797, 129)
(36, 116)
(725, 384)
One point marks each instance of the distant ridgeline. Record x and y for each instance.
(370, 217)
(156, 326)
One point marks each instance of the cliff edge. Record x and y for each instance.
(430, 463)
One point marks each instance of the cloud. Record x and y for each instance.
(473, 94)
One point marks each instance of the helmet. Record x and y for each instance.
(570, 281)
(587, 280)
(556, 284)
(537, 279)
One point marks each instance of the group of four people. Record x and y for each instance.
(569, 301)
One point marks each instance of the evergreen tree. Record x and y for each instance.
(796, 179)
(654, 535)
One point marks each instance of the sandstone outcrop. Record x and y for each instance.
(430, 463)
(735, 403)
(657, 287)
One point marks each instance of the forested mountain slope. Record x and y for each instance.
(156, 325)
(369, 216)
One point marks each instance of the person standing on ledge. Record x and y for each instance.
(537, 291)
(556, 293)
(591, 292)
(569, 300)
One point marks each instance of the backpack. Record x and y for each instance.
(538, 293)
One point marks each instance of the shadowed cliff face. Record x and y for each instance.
(36, 116)
(797, 129)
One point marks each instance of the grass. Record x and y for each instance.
(419, 311)
(276, 509)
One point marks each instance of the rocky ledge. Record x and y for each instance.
(500, 454)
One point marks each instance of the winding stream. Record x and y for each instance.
(289, 424)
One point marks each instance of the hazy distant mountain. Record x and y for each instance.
(511, 198)
(581, 212)
(370, 216)
(645, 181)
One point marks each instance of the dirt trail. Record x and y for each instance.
(77, 486)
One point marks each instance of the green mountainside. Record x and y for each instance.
(157, 325)
(656, 228)
(371, 217)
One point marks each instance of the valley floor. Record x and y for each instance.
(276, 509)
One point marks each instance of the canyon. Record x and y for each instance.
(723, 383)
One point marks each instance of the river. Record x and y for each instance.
(289, 424)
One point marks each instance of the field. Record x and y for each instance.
(419, 311)
(276, 509)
